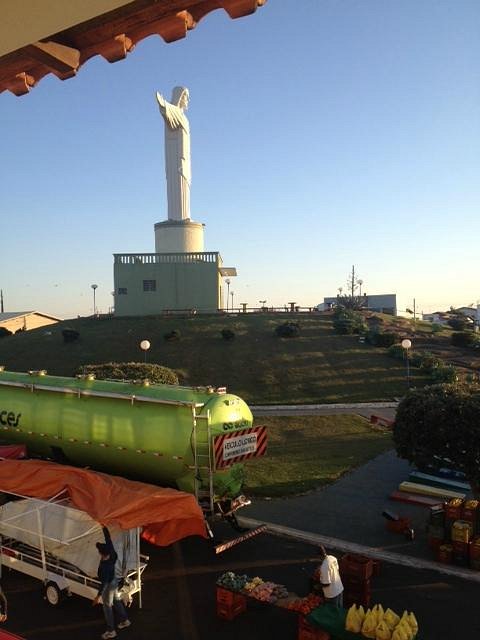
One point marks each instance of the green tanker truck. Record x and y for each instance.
(194, 439)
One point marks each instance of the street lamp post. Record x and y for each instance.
(263, 303)
(406, 345)
(231, 293)
(227, 282)
(145, 346)
(360, 282)
(94, 287)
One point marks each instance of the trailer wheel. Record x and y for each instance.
(52, 594)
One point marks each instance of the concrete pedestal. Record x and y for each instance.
(182, 236)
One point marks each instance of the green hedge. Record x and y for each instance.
(131, 371)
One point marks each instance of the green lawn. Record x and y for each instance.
(319, 366)
(308, 452)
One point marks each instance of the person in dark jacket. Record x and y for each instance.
(108, 591)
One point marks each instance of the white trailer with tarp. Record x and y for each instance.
(53, 541)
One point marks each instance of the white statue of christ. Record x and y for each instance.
(177, 153)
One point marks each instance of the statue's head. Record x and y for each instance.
(180, 97)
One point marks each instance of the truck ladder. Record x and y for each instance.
(203, 461)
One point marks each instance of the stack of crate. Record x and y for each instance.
(454, 532)
(356, 573)
(230, 604)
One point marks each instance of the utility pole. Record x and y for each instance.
(353, 280)
(414, 314)
(1, 300)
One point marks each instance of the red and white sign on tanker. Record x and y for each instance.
(235, 447)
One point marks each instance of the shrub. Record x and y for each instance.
(429, 362)
(131, 371)
(227, 334)
(288, 330)
(464, 339)
(173, 336)
(382, 338)
(70, 335)
(4, 332)
(348, 322)
(396, 351)
(444, 373)
(436, 328)
(458, 323)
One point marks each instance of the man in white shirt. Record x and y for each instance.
(328, 575)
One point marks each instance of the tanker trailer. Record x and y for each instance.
(192, 438)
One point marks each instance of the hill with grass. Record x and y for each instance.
(317, 366)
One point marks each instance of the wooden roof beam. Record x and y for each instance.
(234, 8)
(20, 84)
(240, 8)
(63, 61)
(113, 49)
(171, 28)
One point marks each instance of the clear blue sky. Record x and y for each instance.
(325, 133)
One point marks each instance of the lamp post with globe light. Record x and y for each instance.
(227, 282)
(94, 287)
(231, 293)
(145, 346)
(406, 345)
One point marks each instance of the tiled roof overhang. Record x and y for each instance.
(111, 35)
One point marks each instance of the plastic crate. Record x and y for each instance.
(356, 566)
(475, 549)
(307, 632)
(399, 526)
(453, 512)
(230, 604)
(445, 554)
(462, 531)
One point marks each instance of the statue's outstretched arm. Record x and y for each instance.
(161, 102)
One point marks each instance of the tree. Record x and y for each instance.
(439, 426)
(351, 300)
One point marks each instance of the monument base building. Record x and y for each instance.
(153, 283)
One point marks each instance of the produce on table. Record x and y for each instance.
(231, 581)
(252, 584)
(304, 605)
(254, 587)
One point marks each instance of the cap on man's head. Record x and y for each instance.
(102, 548)
(321, 550)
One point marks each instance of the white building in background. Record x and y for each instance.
(437, 317)
(382, 303)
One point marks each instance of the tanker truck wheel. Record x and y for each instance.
(52, 594)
